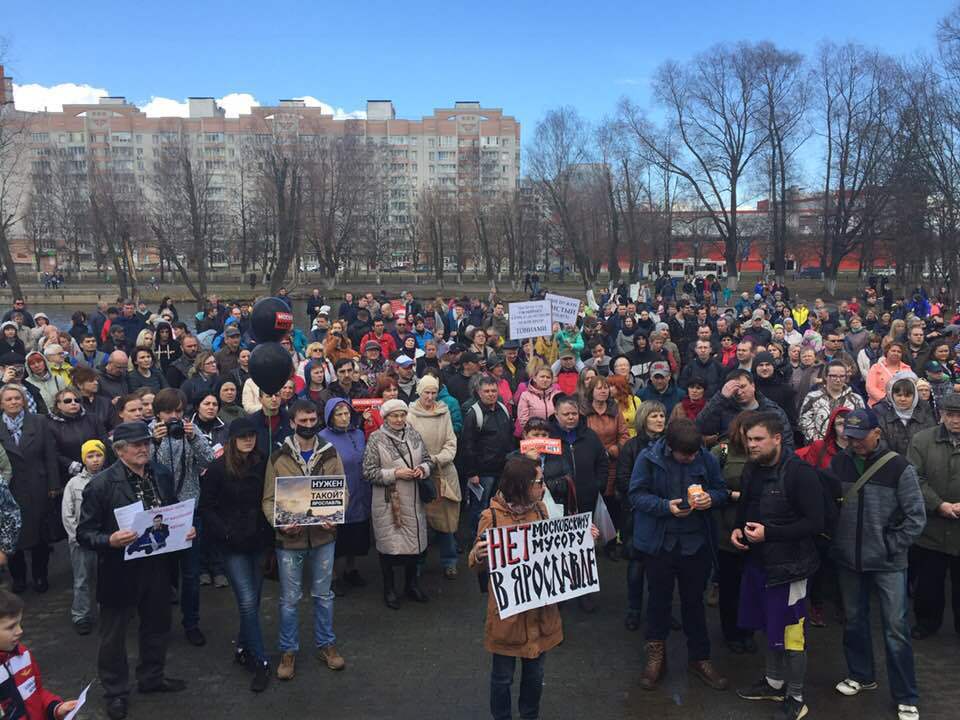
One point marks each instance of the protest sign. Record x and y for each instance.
(306, 500)
(541, 563)
(530, 319)
(564, 309)
(161, 530)
(399, 309)
(81, 701)
(362, 404)
(548, 446)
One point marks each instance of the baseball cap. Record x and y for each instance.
(468, 357)
(567, 353)
(231, 331)
(934, 367)
(371, 345)
(511, 345)
(758, 313)
(660, 368)
(404, 361)
(859, 423)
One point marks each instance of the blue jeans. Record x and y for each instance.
(446, 544)
(475, 507)
(290, 564)
(531, 686)
(189, 561)
(245, 572)
(891, 588)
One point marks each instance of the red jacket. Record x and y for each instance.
(819, 453)
(388, 345)
(22, 695)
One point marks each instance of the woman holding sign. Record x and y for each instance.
(530, 634)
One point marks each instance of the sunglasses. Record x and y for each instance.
(69, 401)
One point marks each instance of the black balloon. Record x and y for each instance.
(271, 319)
(270, 366)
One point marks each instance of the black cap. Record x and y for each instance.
(859, 423)
(494, 362)
(11, 357)
(135, 431)
(511, 345)
(240, 427)
(469, 357)
(950, 403)
(457, 348)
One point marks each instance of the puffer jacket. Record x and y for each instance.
(896, 432)
(528, 634)
(397, 513)
(878, 524)
(22, 693)
(436, 429)
(937, 461)
(288, 462)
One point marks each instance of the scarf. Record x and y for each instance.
(519, 509)
(15, 425)
(692, 408)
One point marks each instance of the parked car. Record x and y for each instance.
(811, 273)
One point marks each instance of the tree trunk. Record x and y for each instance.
(7, 258)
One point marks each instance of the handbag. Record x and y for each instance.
(51, 525)
(427, 490)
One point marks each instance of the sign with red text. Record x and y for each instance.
(541, 563)
(547, 446)
(361, 404)
(399, 309)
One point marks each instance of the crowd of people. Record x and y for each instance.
(766, 457)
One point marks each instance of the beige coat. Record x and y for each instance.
(396, 512)
(436, 429)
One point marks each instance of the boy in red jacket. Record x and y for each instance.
(22, 695)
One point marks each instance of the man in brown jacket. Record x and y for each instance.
(304, 454)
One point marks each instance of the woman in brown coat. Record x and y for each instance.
(605, 419)
(530, 634)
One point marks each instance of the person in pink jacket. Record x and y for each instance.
(537, 399)
(881, 371)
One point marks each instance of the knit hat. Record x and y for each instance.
(427, 382)
(90, 446)
(763, 357)
(391, 406)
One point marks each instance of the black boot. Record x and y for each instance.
(412, 588)
(389, 593)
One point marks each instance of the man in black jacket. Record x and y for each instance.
(179, 369)
(485, 440)
(703, 365)
(738, 393)
(582, 449)
(780, 513)
(141, 585)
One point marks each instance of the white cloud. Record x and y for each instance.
(35, 98)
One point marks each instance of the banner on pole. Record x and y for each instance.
(541, 563)
(530, 319)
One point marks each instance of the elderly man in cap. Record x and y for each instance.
(935, 453)
(661, 387)
(228, 356)
(372, 363)
(881, 516)
(139, 586)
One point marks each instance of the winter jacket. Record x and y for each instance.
(788, 501)
(434, 426)
(9, 520)
(625, 463)
(386, 341)
(118, 581)
(777, 388)
(719, 412)
(186, 458)
(398, 515)
(588, 460)
(288, 462)
(456, 416)
(179, 370)
(937, 462)
(896, 432)
(650, 495)
(155, 381)
(48, 384)
(69, 433)
(710, 372)
(112, 386)
(231, 507)
(534, 403)
(528, 634)
(198, 386)
(820, 453)
(22, 693)
(72, 500)
(612, 431)
(878, 524)
(818, 406)
(484, 444)
(34, 474)
(349, 445)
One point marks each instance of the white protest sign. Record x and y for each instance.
(530, 319)
(127, 513)
(80, 703)
(161, 530)
(541, 563)
(564, 309)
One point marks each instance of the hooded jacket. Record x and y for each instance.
(48, 384)
(820, 453)
(15, 344)
(899, 427)
(349, 444)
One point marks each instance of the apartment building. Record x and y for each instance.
(466, 150)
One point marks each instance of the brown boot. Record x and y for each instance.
(705, 670)
(287, 668)
(328, 654)
(656, 664)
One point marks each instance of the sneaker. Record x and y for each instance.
(791, 709)
(762, 690)
(450, 573)
(261, 677)
(329, 655)
(195, 637)
(220, 581)
(851, 687)
(907, 712)
(287, 668)
(243, 659)
(205, 579)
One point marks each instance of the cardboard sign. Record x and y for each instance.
(361, 404)
(541, 563)
(530, 319)
(161, 530)
(547, 446)
(309, 500)
(565, 310)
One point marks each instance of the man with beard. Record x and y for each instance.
(179, 369)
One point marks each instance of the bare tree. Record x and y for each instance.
(116, 217)
(13, 181)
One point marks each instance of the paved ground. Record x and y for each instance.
(427, 661)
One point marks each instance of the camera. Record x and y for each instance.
(175, 429)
